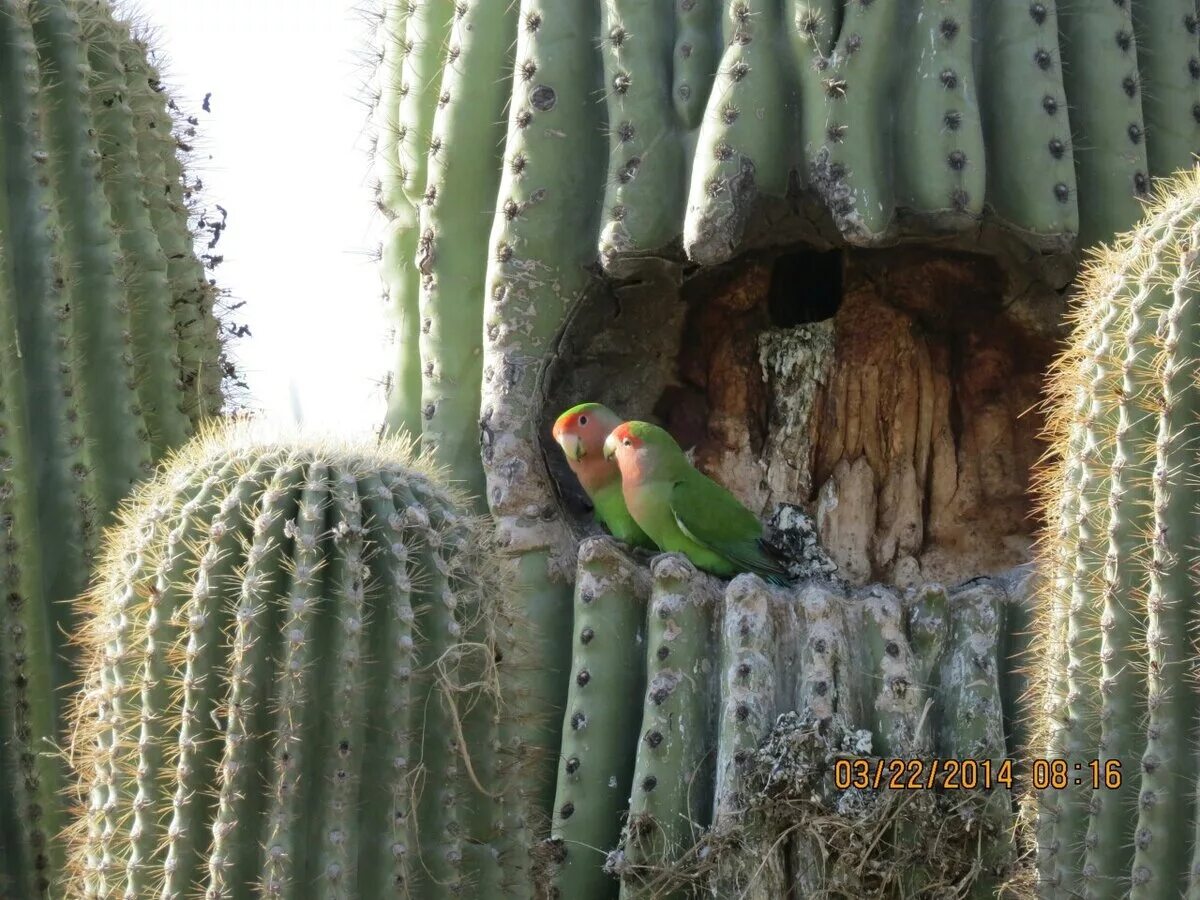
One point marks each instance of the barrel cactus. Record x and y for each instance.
(109, 355)
(287, 643)
(1117, 633)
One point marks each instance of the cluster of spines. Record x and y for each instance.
(1115, 629)
(266, 598)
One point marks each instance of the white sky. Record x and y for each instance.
(287, 141)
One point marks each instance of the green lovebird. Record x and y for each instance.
(581, 431)
(685, 511)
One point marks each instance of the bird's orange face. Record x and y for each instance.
(580, 433)
(623, 445)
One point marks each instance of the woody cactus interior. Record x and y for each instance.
(110, 355)
(825, 244)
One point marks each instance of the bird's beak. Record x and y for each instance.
(610, 446)
(572, 446)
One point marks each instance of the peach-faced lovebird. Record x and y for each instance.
(685, 511)
(581, 431)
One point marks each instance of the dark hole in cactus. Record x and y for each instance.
(805, 287)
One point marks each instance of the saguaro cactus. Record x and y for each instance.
(305, 630)
(1117, 630)
(749, 695)
(102, 343)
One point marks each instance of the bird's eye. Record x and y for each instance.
(583, 420)
(627, 442)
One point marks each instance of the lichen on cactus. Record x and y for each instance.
(1116, 651)
(279, 674)
(94, 362)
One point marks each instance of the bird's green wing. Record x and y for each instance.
(712, 517)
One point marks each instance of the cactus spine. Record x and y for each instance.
(259, 605)
(1115, 648)
(93, 386)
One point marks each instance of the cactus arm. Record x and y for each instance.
(233, 862)
(697, 28)
(749, 688)
(200, 640)
(536, 274)
(742, 151)
(117, 451)
(670, 797)
(1100, 73)
(596, 762)
(47, 440)
(392, 48)
(143, 263)
(464, 174)
(43, 461)
(401, 286)
(939, 135)
(1169, 761)
(1169, 63)
(845, 92)
(285, 854)
(426, 34)
(196, 326)
(644, 196)
(28, 779)
(1030, 154)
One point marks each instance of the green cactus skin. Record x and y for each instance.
(1170, 82)
(1104, 92)
(535, 273)
(464, 166)
(1030, 153)
(744, 148)
(392, 48)
(117, 450)
(272, 600)
(398, 251)
(81, 298)
(143, 263)
(696, 56)
(426, 42)
(672, 787)
(165, 190)
(644, 194)
(972, 717)
(939, 135)
(401, 286)
(1115, 647)
(595, 773)
(843, 98)
(749, 677)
